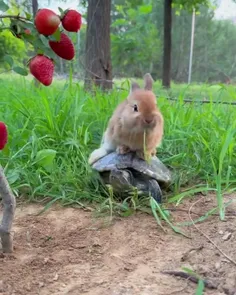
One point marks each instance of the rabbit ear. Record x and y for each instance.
(148, 81)
(134, 86)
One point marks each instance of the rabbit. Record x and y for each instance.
(136, 120)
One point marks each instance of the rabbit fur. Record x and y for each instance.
(135, 116)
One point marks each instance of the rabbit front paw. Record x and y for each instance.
(122, 149)
(144, 156)
(153, 153)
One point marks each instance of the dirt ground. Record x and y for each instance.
(69, 251)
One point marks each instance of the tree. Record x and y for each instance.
(9, 206)
(134, 53)
(8, 200)
(166, 77)
(98, 57)
(168, 4)
(34, 6)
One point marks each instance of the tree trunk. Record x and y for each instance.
(34, 6)
(98, 57)
(34, 10)
(166, 74)
(9, 205)
(61, 67)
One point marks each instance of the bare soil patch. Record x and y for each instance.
(68, 251)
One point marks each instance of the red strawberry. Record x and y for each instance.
(72, 21)
(27, 31)
(46, 21)
(63, 48)
(42, 68)
(3, 135)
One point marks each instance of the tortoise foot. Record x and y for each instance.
(155, 190)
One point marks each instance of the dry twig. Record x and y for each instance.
(209, 239)
(191, 278)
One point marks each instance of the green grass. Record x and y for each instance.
(64, 123)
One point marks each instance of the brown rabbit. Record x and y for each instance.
(136, 125)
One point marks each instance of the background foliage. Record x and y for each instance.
(137, 42)
(12, 46)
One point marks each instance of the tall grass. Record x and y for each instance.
(52, 131)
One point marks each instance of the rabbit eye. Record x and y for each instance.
(135, 108)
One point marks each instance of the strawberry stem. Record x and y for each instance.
(15, 17)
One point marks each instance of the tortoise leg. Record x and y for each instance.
(155, 190)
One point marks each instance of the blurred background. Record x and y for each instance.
(136, 36)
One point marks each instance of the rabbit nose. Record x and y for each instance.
(148, 121)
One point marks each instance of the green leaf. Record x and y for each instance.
(119, 22)
(12, 175)
(28, 37)
(39, 44)
(45, 158)
(40, 51)
(154, 206)
(56, 36)
(3, 6)
(167, 213)
(8, 59)
(61, 10)
(145, 9)
(44, 40)
(28, 15)
(191, 272)
(50, 53)
(29, 26)
(200, 288)
(20, 71)
(16, 27)
(49, 204)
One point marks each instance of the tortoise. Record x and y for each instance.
(126, 171)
